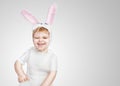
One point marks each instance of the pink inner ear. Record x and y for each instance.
(51, 14)
(29, 17)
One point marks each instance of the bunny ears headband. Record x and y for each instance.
(36, 23)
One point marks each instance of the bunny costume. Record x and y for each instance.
(38, 64)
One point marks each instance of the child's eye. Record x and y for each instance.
(44, 37)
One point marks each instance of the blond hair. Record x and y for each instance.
(40, 29)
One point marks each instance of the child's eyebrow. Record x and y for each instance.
(36, 37)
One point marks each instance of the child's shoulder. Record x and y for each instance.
(30, 49)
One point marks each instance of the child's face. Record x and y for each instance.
(41, 41)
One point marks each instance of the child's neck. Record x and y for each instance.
(43, 51)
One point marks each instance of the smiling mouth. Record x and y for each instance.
(40, 44)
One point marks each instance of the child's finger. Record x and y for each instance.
(27, 77)
(21, 81)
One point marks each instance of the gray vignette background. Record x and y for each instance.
(85, 38)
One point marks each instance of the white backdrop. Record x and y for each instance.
(86, 38)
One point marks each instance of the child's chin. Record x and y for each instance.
(41, 49)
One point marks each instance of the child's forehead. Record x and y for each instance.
(41, 34)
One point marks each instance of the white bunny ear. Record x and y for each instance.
(51, 14)
(29, 17)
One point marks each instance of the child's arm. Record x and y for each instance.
(49, 79)
(19, 70)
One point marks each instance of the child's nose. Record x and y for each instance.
(40, 39)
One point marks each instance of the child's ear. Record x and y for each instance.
(29, 17)
(51, 14)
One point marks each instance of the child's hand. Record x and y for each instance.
(23, 78)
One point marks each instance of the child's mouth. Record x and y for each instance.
(41, 44)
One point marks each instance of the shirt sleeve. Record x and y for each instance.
(23, 58)
(54, 63)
